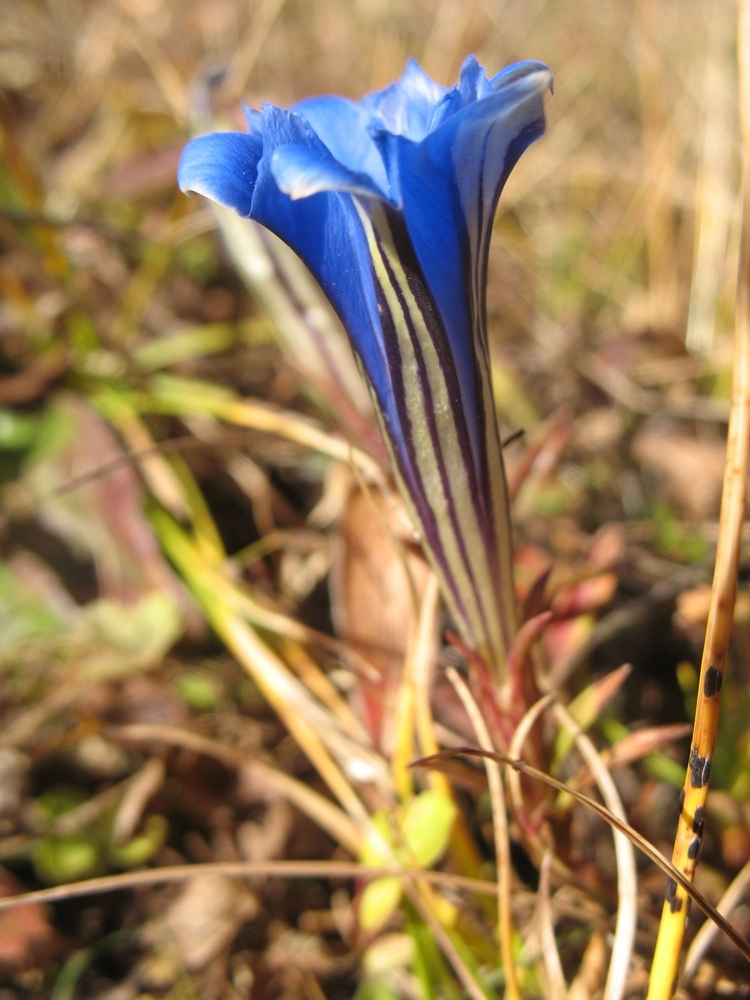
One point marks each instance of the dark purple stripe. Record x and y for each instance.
(408, 260)
(407, 464)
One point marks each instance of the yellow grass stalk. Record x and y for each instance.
(301, 714)
(502, 840)
(721, 609)
(627, 907)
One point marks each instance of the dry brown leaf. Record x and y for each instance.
(377, 583)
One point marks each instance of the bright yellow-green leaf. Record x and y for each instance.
(377, 849)
(200, 690)
(378, 901)
(427, 826)
(64, 859)
(142, 848)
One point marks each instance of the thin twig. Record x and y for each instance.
(472, 987)
(242, 869)
(643, 845)
(321, 810)
(557, 988)
(627, 906)
(705, 936)
(500, 828)
(721, 609)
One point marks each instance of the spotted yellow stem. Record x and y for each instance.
(721, 610)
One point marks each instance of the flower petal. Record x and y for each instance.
(254, 118)
(301, 172)
(449, 185)
(222, 166)
(405, 107)
(325, 230)
(343, 127)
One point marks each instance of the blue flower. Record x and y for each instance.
(390, 203)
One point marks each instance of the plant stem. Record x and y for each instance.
(721, 610)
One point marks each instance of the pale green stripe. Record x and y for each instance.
(484, 628)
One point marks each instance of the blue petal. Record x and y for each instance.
(518, 70)
(343, 127)
(301, 172)
(222, 166)
(406, 107)
(449, 184)
(326, 232)
(253, 119)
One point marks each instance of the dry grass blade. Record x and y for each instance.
(175, 397)
(556, 987)
(721, 610)
(141, 455)
(715, 191)
(633, 836)
(314, 728)
(627, 908)
(422, 652)
(243, 869)
(703, 939)
(500, 828)
(321, 810)
(472, 987)
(515, 792)
(250, 47)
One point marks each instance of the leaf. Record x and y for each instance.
(377, 848)
(378, 901)
(142, 848)
(427, 826)
(64, 859)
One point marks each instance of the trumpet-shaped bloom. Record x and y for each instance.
(390, 203)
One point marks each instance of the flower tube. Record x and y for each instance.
(390, 203)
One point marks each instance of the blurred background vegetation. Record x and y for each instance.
(182, 632)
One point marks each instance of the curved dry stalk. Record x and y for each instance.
(277, 685)
(330, 749)
(590, 975)
(643, 845)
(243, 869)
(515, 792)
(462, 842)
(421, 653)
(557, 988)
(500, 828)
(319, 809)
(721, 610)
(170, 395)
(470, 984)
(261, 417)
(703, 939)
(627, 906)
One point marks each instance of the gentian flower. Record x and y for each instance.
(390, 203)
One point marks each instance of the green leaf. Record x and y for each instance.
(199, 690)
(377, 848)
(427, 825)
(142, 848)
(378, 901)
(64, 859)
